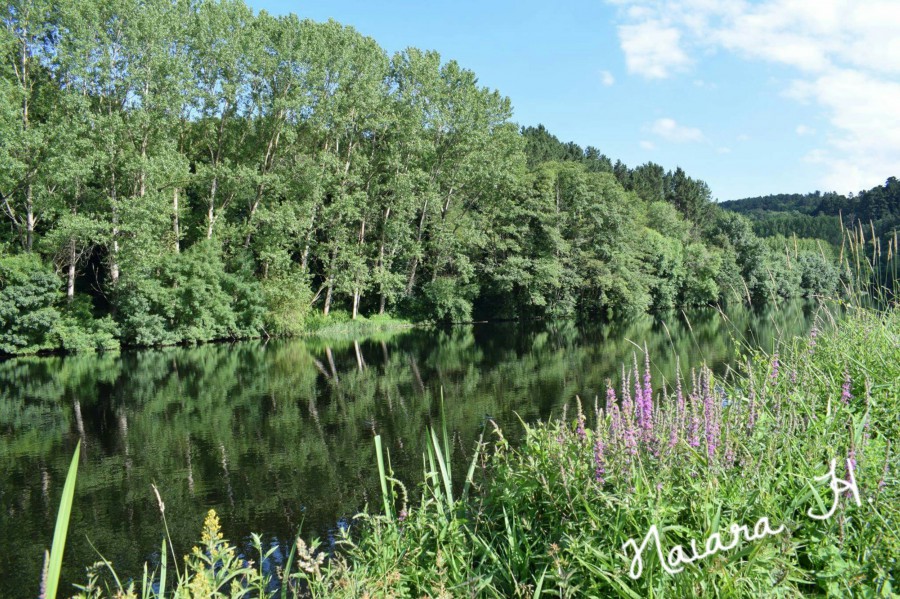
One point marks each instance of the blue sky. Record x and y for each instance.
(759, 97)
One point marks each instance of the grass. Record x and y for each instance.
(339, 326)
(552, 515)
(53, 560)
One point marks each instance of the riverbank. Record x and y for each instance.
(554, 514)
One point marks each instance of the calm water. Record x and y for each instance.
(277, 434)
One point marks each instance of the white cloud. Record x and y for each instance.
(670, 130)
(865, 112)
(652, 49)
(647, 145)
(845, 55)
(724, 150)
(743, 137)
(606, 78)
(804, 130)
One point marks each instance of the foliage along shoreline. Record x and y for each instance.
(551, 517)
(180, 172)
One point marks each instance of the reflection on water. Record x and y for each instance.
(279, 433)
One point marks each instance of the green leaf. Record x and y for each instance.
(62, 527)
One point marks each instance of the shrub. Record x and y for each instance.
(29, 292)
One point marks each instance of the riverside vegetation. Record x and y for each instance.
(551, 515)
(177, 172)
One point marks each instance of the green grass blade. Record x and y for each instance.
(447, 448)
(62, 527)
(470, 475)
(145, 588)
(540, 585)
(382, 475)
(162, 571)
(445, 469)
(286, 578)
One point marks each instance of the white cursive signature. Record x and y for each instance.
(677, 557)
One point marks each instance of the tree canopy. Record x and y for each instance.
(176, 171)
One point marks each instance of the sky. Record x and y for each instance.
(771, 96)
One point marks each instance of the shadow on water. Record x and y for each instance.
(279, 433)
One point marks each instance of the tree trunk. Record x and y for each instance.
(70, 280)
(382, 301)
(330, 282)
(327, 308)
(312, 227)
(415, 262)
(176, 228)
(29, 219)
(114, 263)
(211, 212)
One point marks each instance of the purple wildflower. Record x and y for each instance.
(846, 396)
(639, 400)
(648, 391)
(579, 428)
(610, 396)
(694, 430)
(599, 462)
(710, 417)
(630, 437)
(673, 435)
(751, 418)
(627, 404)
(813, 333)
(615, 424)
(775, 365)
(402, 515)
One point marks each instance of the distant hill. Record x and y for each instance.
(819, 215)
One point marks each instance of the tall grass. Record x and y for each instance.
(53, 560)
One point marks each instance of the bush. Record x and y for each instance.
(29, 292)
(287, 301)
(80, 330)
(191, 298)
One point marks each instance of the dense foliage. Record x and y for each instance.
(186, 171)
(826, 216)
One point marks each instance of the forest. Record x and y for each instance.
(179, 172)
(824, 215)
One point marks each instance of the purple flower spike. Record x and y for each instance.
(610, 396)
(599, 461)
(846, 396)
(775, 365)
(648, 382)
(673, 435)
(615, 425)
(694, 430)
(751, 418)
(648, 395)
